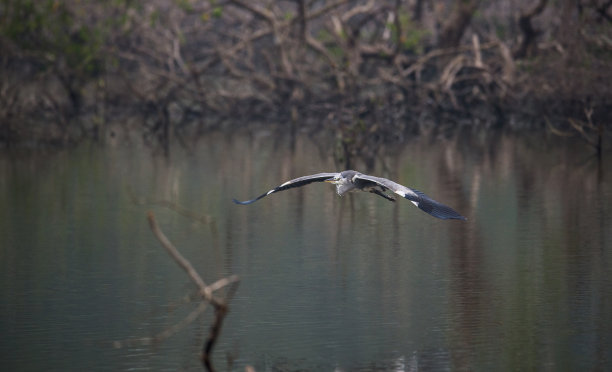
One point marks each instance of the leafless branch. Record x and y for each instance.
(206, 291)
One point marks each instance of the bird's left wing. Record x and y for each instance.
(296, 182)
(418, 198)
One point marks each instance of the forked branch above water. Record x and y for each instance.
(206, 291)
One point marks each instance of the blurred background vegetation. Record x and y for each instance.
(369, 72)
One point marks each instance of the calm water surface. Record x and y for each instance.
(351, 283)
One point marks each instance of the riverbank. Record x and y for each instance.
(366, 74)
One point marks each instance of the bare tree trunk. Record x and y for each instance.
(456, 23)
(529, 33)
(417, 14)
(302, 20)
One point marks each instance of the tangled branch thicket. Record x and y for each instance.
(360, 69)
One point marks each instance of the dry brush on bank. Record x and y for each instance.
(364, 70)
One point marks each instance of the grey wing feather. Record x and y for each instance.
(418, 198)
(296, 182)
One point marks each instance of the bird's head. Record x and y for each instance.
(336, 180)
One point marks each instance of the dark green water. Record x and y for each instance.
(351, 283)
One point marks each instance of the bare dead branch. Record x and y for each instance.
(579, 126)
(219, 304)
(509, 67)
(263, 13)
(477, 54)
(326, 9)
(358, 10)
(205, 291)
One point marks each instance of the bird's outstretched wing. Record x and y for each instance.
(418, 198)
(297, 182)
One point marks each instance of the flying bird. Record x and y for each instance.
(350, 180)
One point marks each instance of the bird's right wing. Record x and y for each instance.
(418, 198)
(296, 182)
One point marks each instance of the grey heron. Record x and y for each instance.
(350, 180)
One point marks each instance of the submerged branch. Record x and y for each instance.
(205, 291)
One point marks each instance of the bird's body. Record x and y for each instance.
(350, 180)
